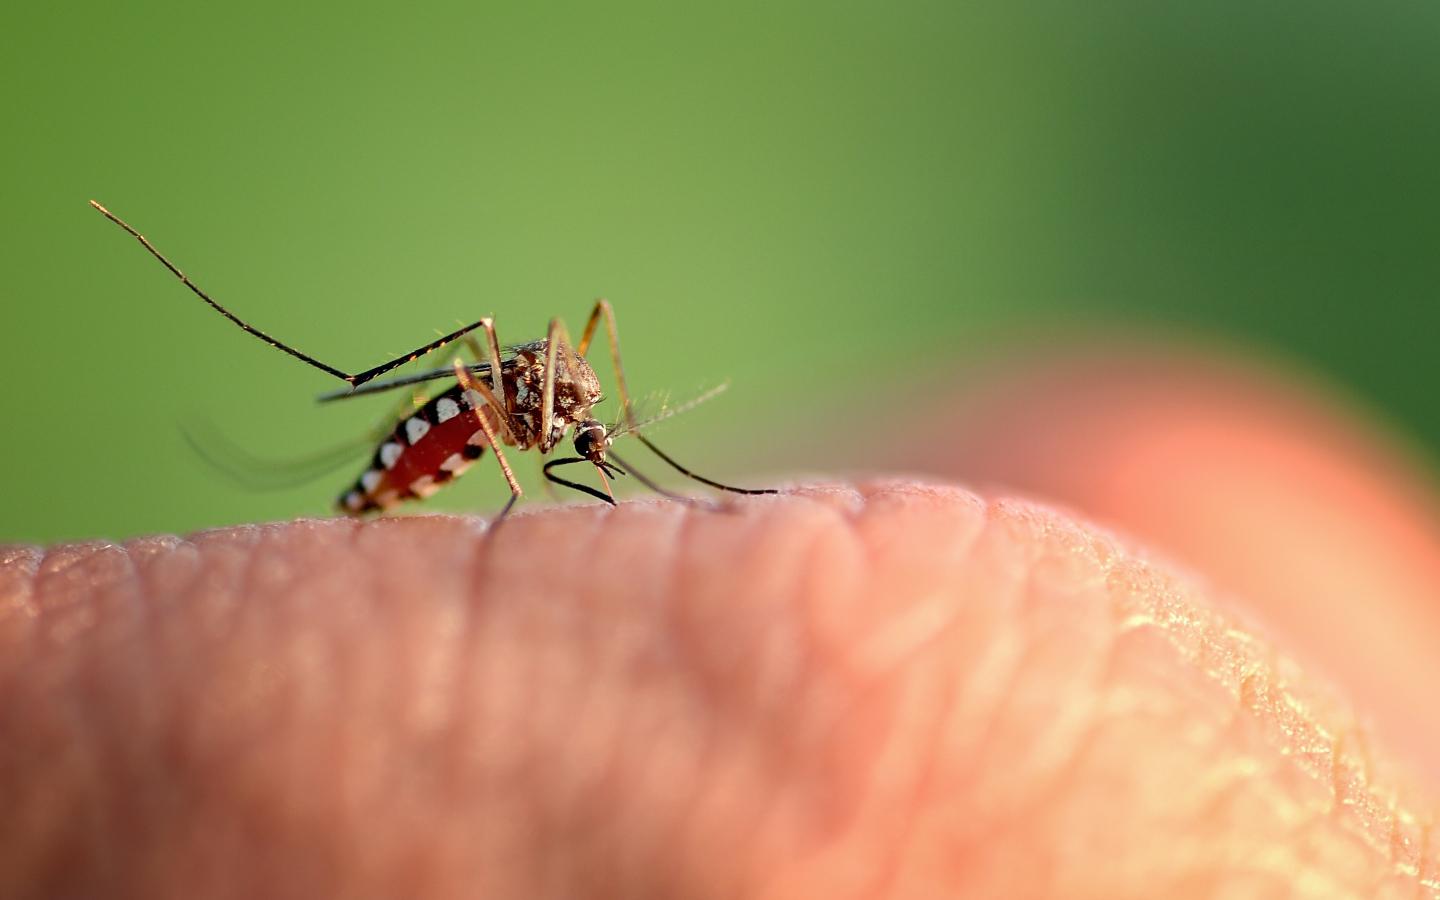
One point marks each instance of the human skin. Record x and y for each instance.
(1298, 510)
(891, 689)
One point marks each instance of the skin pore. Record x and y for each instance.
(891, 689)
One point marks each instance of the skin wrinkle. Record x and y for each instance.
(438, 723)
(470, 735)
(104, 567)
(18, 616)
(800, 758)
(633, 657)
(18, 568)
(851, 861)
(329, 622)
(1161, 614)
(780, 660)
(451, 740)
(671, 629)
(1095, 743)
(361, 644)
(1291, 497)
(62, 621)
(714, 629)
(539, 763)
(560, 811)
(148, 763)
(919, 719)
(573, 814)
(1056, 762)
(1260, 691)
(452, 725)
(169, 569)
(645, 858)
(1152, 617)
(997, 812)
(124, 617)
(1021, 665)
(32, 827)
(1010, 657)
(917, 693)
(1202, 743)
(258, 765)
(108, 621)
(900, 778)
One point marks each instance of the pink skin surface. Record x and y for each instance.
(1297, 511)
(895, 689)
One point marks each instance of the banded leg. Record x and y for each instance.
(468, 383)
(354, 380)
(605, 310)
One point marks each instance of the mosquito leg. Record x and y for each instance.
(353, 380)
(605, 310)
(496, 397)
(700, 478)
(504, 511)
(555, 338)
(462, 375)
(492, 355)
(357, 380)
(640, 477)
(475, 349)
(480, 388)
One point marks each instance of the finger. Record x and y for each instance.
(898, 690)
(1295, 506)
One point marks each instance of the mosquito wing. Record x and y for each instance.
(261, 473)
(657, 408)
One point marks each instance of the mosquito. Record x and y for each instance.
(528, 399)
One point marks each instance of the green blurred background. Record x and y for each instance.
(768, 192)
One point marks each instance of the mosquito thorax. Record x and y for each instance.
(591, 441)
(576, 389)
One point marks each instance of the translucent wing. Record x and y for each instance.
(260, 473)
(657, 408)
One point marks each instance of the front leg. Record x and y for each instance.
(603, 309)
(557, 341)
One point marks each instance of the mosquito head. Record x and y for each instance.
(591, 441)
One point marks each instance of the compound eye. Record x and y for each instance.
(589, 439)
